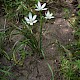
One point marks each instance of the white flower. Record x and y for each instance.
(39, 7)
(31, 19)
(49, 15)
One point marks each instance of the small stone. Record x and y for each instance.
(60, 25)
(54, 22)
(73, 31)
(52, 48)
(53, 44)
(69, 39)
(73, 14)
(64, 19)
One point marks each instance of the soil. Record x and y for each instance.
(34, 68)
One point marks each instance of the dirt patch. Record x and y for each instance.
(60, 30)
(37, 69)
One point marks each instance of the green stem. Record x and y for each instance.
(41, 22)
(40, 32)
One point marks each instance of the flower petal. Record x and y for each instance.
(39, 4)
(35, 21)
(45, 17)
(28, 22)
(37, 9)
(26, 19)
(34, 17)
(48, 13)
(44, 9)
(30, 15)
(31, 23)
(43, 5)
(51, 14)
(36, 6)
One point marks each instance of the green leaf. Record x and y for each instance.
(52, 78)
(77, 33)
(78, 64)
(78, 13)
(6, 72)
(78, 6)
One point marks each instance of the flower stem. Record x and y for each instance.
(40, 32)
(41, 23)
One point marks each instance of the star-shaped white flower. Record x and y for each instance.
(49, 15)
(39, 7)
(31, 20)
